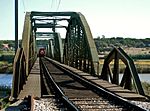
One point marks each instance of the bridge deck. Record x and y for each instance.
(33, 84)
(125, 93)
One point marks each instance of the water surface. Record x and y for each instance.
(6, 80)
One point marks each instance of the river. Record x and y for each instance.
(143, 77)
(6, 79)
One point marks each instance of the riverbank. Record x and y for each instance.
(6, 61)
(6, 67)
(142, 66)
(7, 57)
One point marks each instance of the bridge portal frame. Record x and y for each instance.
(130, 74)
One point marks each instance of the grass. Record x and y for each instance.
(146, 87)
(142, 66)
(4, 96)
(4, 91)
(4, 102)
(6, 61)
(2, 63)
(6, 67)
(7, 52)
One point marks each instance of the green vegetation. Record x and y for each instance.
(140, 56)
(11, 43)
(7, 55)
(6, 61)
(103, 45)
(142, 66)
(6, 67)
(141, 48)
(4, 102)
(4, 96)
(146, 87)
(5, 91)
(137, 49)
(106, 44)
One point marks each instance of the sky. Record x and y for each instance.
(112, 18)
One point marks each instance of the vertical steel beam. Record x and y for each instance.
(16, 25)
(116, 69)
(128, 83)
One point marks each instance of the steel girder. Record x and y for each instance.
(24, 59)
(49, 49)
(130, 74)
(28, 43)
(58, 49)
(79, 47)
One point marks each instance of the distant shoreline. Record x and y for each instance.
(6, 70)
(142, 66)
(6, 67)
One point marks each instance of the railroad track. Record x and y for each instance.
(76, 93)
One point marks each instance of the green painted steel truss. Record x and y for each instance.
(79, 47)
(130, 75)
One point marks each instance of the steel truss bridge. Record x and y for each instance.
(77, 50)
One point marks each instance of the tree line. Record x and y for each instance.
(102, 44)
(105, 44)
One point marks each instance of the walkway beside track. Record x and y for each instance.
(33, 84)
(116, 89)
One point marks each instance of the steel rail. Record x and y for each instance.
(97, 89)
(59, 93)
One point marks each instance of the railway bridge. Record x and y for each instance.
(69, 72)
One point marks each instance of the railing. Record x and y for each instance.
(24, 59)
(130, 72)
(19, 75)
